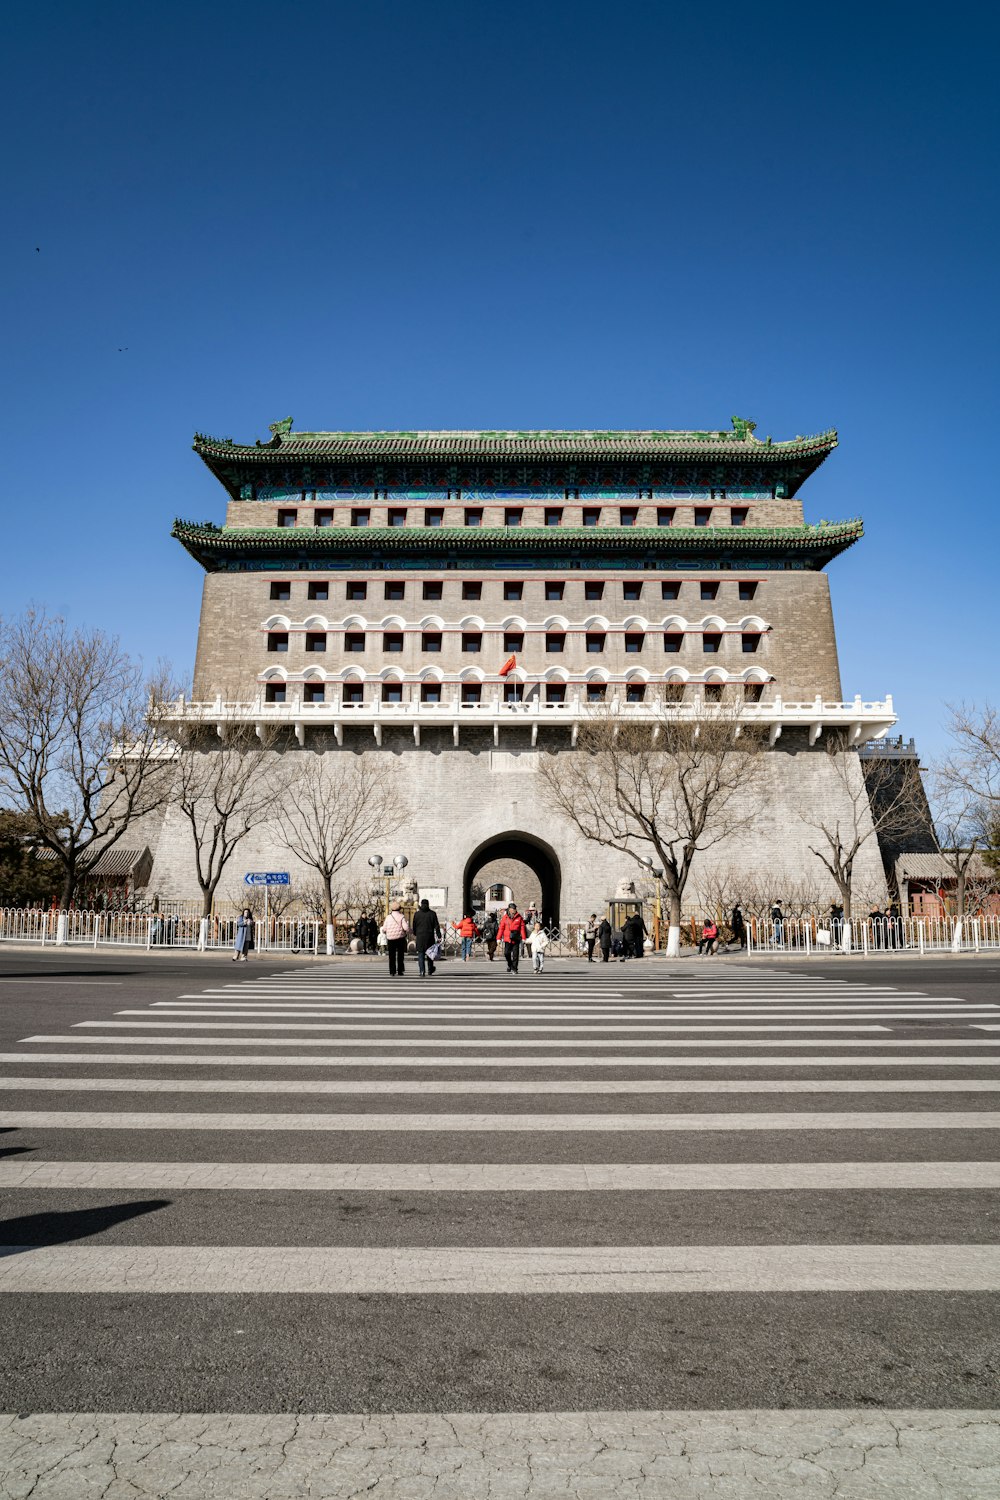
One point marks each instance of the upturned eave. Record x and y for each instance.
(209, 543)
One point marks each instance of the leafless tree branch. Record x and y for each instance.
(79, 753)
(667, 788)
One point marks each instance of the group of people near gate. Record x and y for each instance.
(627, 941)
(513, 932)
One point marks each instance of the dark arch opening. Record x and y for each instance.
(538, 856)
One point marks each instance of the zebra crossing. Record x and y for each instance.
(650, 1229)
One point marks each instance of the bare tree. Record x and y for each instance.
(79, 754)
(334, 805)
(664, 784)
(225, 789)
(882, 799)
(967, 798)
(973, 760)
(958, 832)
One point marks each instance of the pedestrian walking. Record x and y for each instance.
(395, 927)
(532, 919)
(490, 935)
(604, 939)
(244, 935)
(778, 918)
(537, 943)
(512, 934)
(590, 936)
(370, 944)
(426, 938)
(466, 930)
(738, 926)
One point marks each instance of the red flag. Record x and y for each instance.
(508, 666)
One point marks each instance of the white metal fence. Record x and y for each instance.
(801, 936)
(148, 930)
(812, 937)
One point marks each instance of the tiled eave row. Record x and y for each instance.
(563, 453)
(516, 446)
(208, 543)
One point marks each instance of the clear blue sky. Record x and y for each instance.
(524, 215)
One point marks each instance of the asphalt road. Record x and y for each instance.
(161, 1076)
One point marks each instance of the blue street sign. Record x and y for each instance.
(267, 877)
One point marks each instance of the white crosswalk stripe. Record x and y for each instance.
(688, 1175)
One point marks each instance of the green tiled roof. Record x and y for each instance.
(207, 542)
(738, 442)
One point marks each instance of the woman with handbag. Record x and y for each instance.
(426, 937)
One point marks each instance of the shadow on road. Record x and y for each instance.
(77, 973)
(31, 1230)
(14, 1150)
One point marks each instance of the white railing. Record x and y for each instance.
(863, 720)
(153, 930)
(816, 937)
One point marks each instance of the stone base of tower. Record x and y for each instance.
(473, 807)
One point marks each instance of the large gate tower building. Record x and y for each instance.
(366, 589)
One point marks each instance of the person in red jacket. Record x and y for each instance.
(466, 930)
(512, 934)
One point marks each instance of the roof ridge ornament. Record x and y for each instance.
(278, 430)
(743, 427)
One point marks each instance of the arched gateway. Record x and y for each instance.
(525, 849)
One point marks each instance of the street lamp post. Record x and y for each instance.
(387, 871)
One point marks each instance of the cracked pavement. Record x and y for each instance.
(643, 1455)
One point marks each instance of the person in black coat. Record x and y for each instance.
(633, 932)
(738, 926)
(426, 932)
(604, 940)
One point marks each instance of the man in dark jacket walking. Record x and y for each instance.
(604, 940)
(426, 932)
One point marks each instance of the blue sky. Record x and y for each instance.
(525, 215)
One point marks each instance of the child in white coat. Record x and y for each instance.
(538, 942)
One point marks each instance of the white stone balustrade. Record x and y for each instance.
(861, 720)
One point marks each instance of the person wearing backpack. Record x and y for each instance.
(490, 935)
